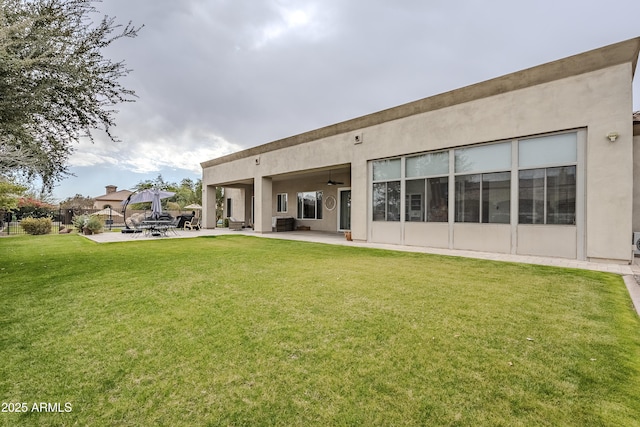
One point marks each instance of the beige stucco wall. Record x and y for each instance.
(558, 241)
(238, 205)
(430, 234)
(599, 102)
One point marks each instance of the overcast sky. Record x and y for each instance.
(218, 76)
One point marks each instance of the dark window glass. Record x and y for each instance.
(561, 195)
(496, 198)
(468, 198)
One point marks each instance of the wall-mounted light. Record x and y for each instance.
(612, 136)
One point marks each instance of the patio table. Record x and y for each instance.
(156, 227)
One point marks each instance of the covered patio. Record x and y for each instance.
(315, 199)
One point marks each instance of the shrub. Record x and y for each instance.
(79, 221)
(94, 224)
(36, 225)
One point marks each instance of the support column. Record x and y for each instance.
(209, 207)
(263, 191)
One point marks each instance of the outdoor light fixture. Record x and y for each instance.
(612, 136)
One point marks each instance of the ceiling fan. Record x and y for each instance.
(332, 182)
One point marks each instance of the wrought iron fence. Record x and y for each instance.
(63, 218)
(10, 222)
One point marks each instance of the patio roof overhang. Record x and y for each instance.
(322, 174)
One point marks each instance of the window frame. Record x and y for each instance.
(545, 195)
(438, 171)
(469, 171)
(545, 167)
(428, 213)
(282, 199)
(394, 179)
(317, 197)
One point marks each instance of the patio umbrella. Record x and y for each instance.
(147, 196)
(152, 195)
(193, 206)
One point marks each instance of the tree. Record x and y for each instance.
(219, 202)
(56, 86)
(158, 183)
(188, 192)
(34, 208)
(10, 195)
(77, 202)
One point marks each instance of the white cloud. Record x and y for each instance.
(184, 151)
(304, 23)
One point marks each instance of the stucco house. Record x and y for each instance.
(113, 198)
(544, 161)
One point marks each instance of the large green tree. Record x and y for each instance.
(56, 86)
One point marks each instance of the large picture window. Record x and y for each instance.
(386, 201)
(548, 196)
(427, 200)
(310, 205)
(415, 188)
(386, 190)
(483, 197)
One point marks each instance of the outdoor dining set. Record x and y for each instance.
(159, 223)
(163, 225)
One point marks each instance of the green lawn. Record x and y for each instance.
(245, 331)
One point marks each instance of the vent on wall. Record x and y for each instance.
(357, 138)
(257, 160)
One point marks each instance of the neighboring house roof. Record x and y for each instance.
(604, 57)
(117, 195)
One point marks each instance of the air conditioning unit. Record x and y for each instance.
(636, 242)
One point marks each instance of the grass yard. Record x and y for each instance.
(244, 331)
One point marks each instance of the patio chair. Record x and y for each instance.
(194, 224)
(173, 227)
(135, 223)
(234, 224)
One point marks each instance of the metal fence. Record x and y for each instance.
(10, 223)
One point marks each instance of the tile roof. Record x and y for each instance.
(118, 195)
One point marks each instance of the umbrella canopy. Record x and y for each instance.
(193, 206)
(107, 212)
(147, 196)
(152, 195)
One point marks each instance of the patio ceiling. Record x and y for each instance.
(321, 174)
